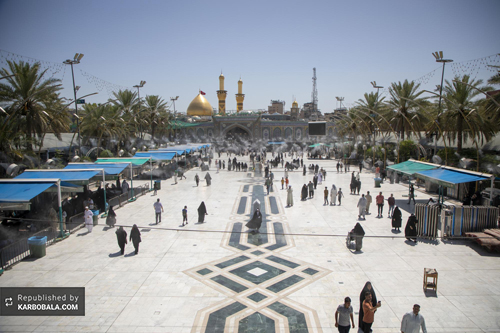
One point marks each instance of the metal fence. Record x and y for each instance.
(19, 250)
(453, 220)
(77, 221)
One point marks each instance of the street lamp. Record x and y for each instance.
(75, 61)
(138, 86)
(439, 58)
(374, 84)
(340, 99)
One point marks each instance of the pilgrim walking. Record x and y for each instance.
(197, 179)
(89, 221)
(111, 218)
(202, 211)
(208, 178)
(367, 288)
(256, 221)
(411, 228)
(289, 197)
(396, 218)
(121, 237)
(135, 237)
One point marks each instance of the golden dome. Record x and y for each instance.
(199, 107)
(295, 104)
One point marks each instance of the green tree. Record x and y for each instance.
(465, 115)
(407, 149)
(27, 94)
(406, 108)
(101, 122)
(155, 110)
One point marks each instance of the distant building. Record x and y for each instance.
(276, 107)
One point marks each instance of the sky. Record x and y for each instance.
(181, 47)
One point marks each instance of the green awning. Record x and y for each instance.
(411, 167)
(177, 124)
(135, 161)
(316, 145)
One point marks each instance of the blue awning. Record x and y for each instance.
(109, 168)
(80, 177)
(448, 177)
(276, 143)
(20, 192)
(157, 155)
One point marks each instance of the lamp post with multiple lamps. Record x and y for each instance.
(173, 99)
(374, 84)
(139, 86)
(75, 61)
(439, 58)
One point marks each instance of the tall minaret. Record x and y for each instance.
(221, 94)
(240, 96)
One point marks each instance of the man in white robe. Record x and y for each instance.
(89, 221)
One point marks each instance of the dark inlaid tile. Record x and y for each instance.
(283, 261)
(257, 272)
(204, 271)
(310, 271)
(257, 297)
(234, 239)
(245, 188)
(257, 253)
(279, 235)
(283, 284)
(243, 205)
(231, 262)
(217, 321)
(230, 284)
(256, 323)
(296, 320)
(274, 205)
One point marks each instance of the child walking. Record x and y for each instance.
(340, 195)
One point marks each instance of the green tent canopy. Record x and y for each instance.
(135, 161)
(411, 167)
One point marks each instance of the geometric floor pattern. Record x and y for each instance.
(257, 279)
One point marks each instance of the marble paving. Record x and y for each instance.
(218, 277)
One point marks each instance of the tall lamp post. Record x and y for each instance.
(75, 61)
(173, 99)
(439, 58)
(374, 84)
(139, 86)
(340, 99)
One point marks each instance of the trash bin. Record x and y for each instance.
(95, 217)
(37, 245)
(157, 185)
(377, 182)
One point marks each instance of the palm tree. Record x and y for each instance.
(406, 107)
(465, 115)
(155, 112)
(26, 92)
(101, 121)
(127, 102)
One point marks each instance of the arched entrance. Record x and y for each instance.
(237, 132)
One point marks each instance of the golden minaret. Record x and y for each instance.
(240, 96)
(221, 94)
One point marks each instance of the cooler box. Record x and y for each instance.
(377, 182)
(157, 184)
(95, 217)
(37, 245)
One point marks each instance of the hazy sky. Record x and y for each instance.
(179, 47)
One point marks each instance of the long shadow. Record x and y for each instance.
(131, 254)
(83, 234)
(409, 208)
(117, 254)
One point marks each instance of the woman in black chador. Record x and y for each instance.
(111, 218)
(121, 237)
(411, 228)
(396, 218)
(202, 211)
(255, 222)
(135, 237)
(304, 192)
(367, 288)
